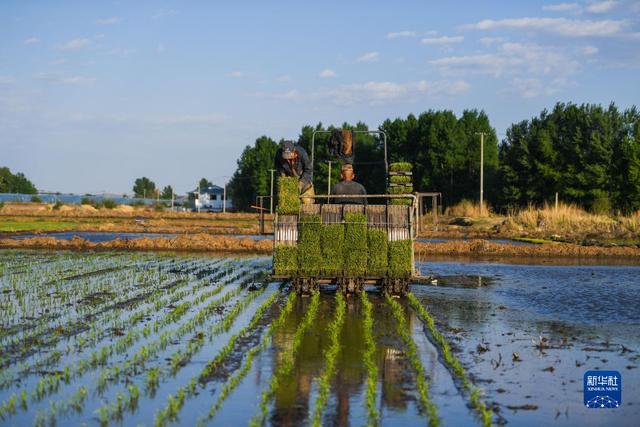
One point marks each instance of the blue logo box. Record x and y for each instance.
(602, 389)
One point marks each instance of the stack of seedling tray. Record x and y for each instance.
(400, 182)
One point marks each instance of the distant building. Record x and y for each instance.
(208, 199)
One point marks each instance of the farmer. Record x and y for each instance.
(348, 186)
(292, 160)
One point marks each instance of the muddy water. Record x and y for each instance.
(560, 320)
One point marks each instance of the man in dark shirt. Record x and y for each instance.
(292, 160)
(347, 187)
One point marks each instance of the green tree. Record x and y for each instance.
(144, 187)
(252, 177)
(204, 183)
(167, 193)
(15, 183)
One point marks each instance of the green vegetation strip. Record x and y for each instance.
(330, 355)
(378, 252)
(400, 179)
(452, 361)
(332, 240)
(241, 372)
(400, 264)
(309, 250)
(370, 360)
(288, 358)
(288, 196)
(285, 260)
(422, 385)
(355, 244)
(400, 167)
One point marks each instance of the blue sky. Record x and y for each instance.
(96, 94)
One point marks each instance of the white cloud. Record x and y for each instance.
(160, 48)
(235, 74)
(520, 62)
(442, 40)
(401, 34)
(64, 79)
(32, 40)
(284, 78)
(560, 26)
(6, 79)
(561, 7)
(376, 93)
(75, 44)
(488, 41)
(121, 51)
(602, 6)
(590, 50)
(368, 57)
(109, 21)
(327, 73)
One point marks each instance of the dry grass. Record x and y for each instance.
(467, 208)
(567, 218)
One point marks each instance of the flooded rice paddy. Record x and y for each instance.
(147, 339)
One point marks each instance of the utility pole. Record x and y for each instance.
(271, 198)
(329, 178)
(482, 134)
(224, 197)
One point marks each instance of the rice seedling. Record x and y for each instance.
(369, 360)
(355, 244)
(288, 196)
(309, 245)
(332, 243)
(285, 260)
(286, 364)
(400, 260)
(330, 355)
(452, 361)
(402, 328)
(377, 262)
(400, 167)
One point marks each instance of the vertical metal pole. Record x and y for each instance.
(481, 172)
(556, 200)
(224, 198)
(329, 179)
(271, 199)
(261, 215)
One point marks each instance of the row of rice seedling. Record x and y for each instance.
(50, 383)
(121, 320)
(403, 330)
(330, 356)
(174, 404)
(287, 362)
(369, 359)
(452, 362)
(243, 370)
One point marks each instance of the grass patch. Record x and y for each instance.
(31, 225)
(332, 240)
(288, 196)
(378, 248)
(285, 260)
(400, 258)
(355, 244)
(309, 249)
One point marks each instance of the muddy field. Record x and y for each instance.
(113, 338)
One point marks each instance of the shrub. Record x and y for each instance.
(36, 199)
(378, 245)
(332, 248)
(285, 260)
(400, 258)
(57, 205)
(109, 204)
(310, 251)
(355, 244)
(158, 207)
(288, 196)
(400, 179)
(85, 201)
(400, 167)
(1, 205)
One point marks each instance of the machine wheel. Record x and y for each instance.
(348, 285)
(396, 286)
(305, 285)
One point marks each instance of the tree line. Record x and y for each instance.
(587, 153)
(15, 183)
